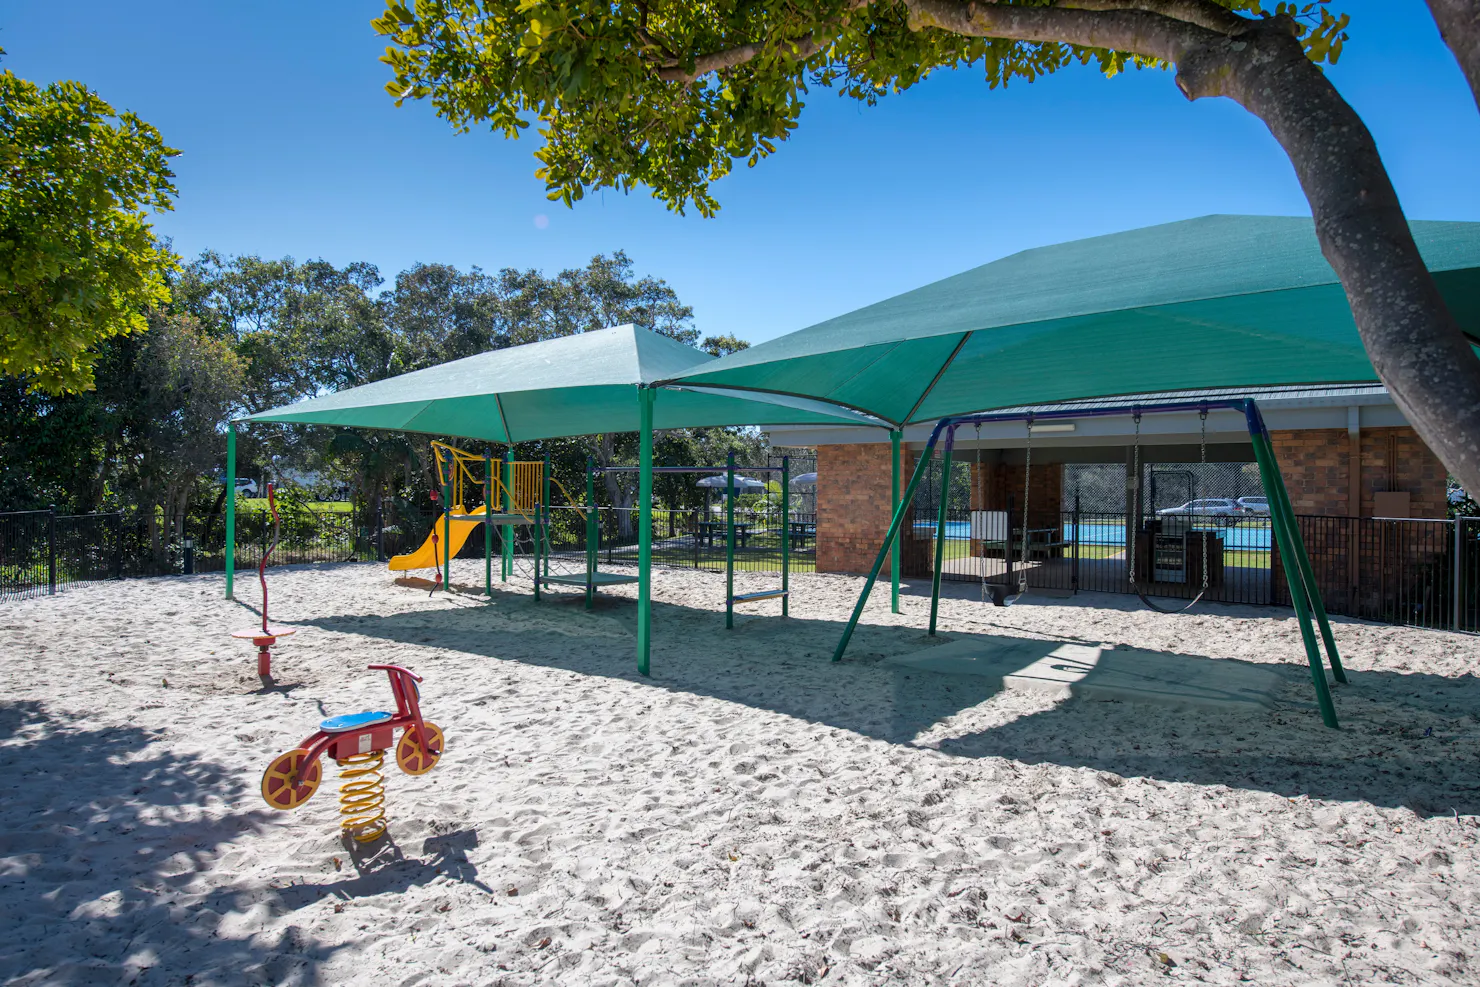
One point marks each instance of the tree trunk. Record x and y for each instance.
(621, 499)
(1410, 335)
(1459, 24)
(1414, 342)
(215, 512)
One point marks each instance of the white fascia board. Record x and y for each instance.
(1375, 411)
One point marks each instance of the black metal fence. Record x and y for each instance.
(1423, 573)
(697, 539)
(43, 552)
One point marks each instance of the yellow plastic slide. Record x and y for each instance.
(430, 556)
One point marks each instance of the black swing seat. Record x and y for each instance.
(1160, 609)
(1001, 598)
(765, 594)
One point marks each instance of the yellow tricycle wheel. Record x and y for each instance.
(415, 757)
(284, 786)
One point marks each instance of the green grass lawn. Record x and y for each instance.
(320, 506)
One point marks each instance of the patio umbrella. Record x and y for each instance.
(743, 484)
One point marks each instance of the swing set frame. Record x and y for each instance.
(1310, 609)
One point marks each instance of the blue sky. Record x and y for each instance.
(292, 147)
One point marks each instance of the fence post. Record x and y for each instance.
(380, 528)
(1075, 579)
(118, 545)
(786, 536)
(51, 550)
(1456, 588)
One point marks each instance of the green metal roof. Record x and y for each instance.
(1222, 301)
(573, 385)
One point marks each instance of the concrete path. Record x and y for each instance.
(1102, 673)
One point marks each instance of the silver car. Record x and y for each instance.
(1254, 505)
(1206, 506)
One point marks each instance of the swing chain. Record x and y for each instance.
(980, 494)
(1027, 476)
(1134, 501)
(1203, 414)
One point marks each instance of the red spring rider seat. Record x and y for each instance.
(357, 742)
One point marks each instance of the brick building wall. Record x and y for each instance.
(1350, 556)
(992, 484)
(1317, 467)
(854, 505)
(995, 485)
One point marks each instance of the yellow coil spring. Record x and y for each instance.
(362, 795)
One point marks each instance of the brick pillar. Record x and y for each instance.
(993, 483)
(853, 509)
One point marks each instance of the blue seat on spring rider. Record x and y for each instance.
(353, 721)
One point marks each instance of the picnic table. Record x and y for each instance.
(1042, 543)
(801, 531)
(710, 531)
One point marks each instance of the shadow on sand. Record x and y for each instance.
(1406, 738)
(112, 893)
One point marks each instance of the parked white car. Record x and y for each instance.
(246, 486)
(1216, 506)
(1254, 505)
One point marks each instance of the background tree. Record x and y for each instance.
(723, 345)
(670, 94)
(78, 262)
(173, 390)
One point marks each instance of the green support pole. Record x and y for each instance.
(539, 549)
(785, 536)
(230, 508)
(895, 435)
(730, 542)
(940, 528)
(508, 532)
(591, 534)
(487, 522)
(645, 399)
(1284, 538)
(447, 535)
(549, 511)
(873, 575)
(1302, 562)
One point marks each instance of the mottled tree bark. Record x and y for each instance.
(1459, 24)
(1411, 337)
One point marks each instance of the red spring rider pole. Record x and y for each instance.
(265, 638)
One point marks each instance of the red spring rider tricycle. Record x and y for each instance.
(358, 742)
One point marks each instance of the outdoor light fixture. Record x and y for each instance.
(1053, 427)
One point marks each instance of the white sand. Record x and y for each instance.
(752, 813)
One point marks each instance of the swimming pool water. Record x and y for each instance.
(1254, 539)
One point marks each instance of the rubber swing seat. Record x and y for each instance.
(353, 721)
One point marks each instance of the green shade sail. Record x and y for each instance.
(1222, 301)
(573, 385)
